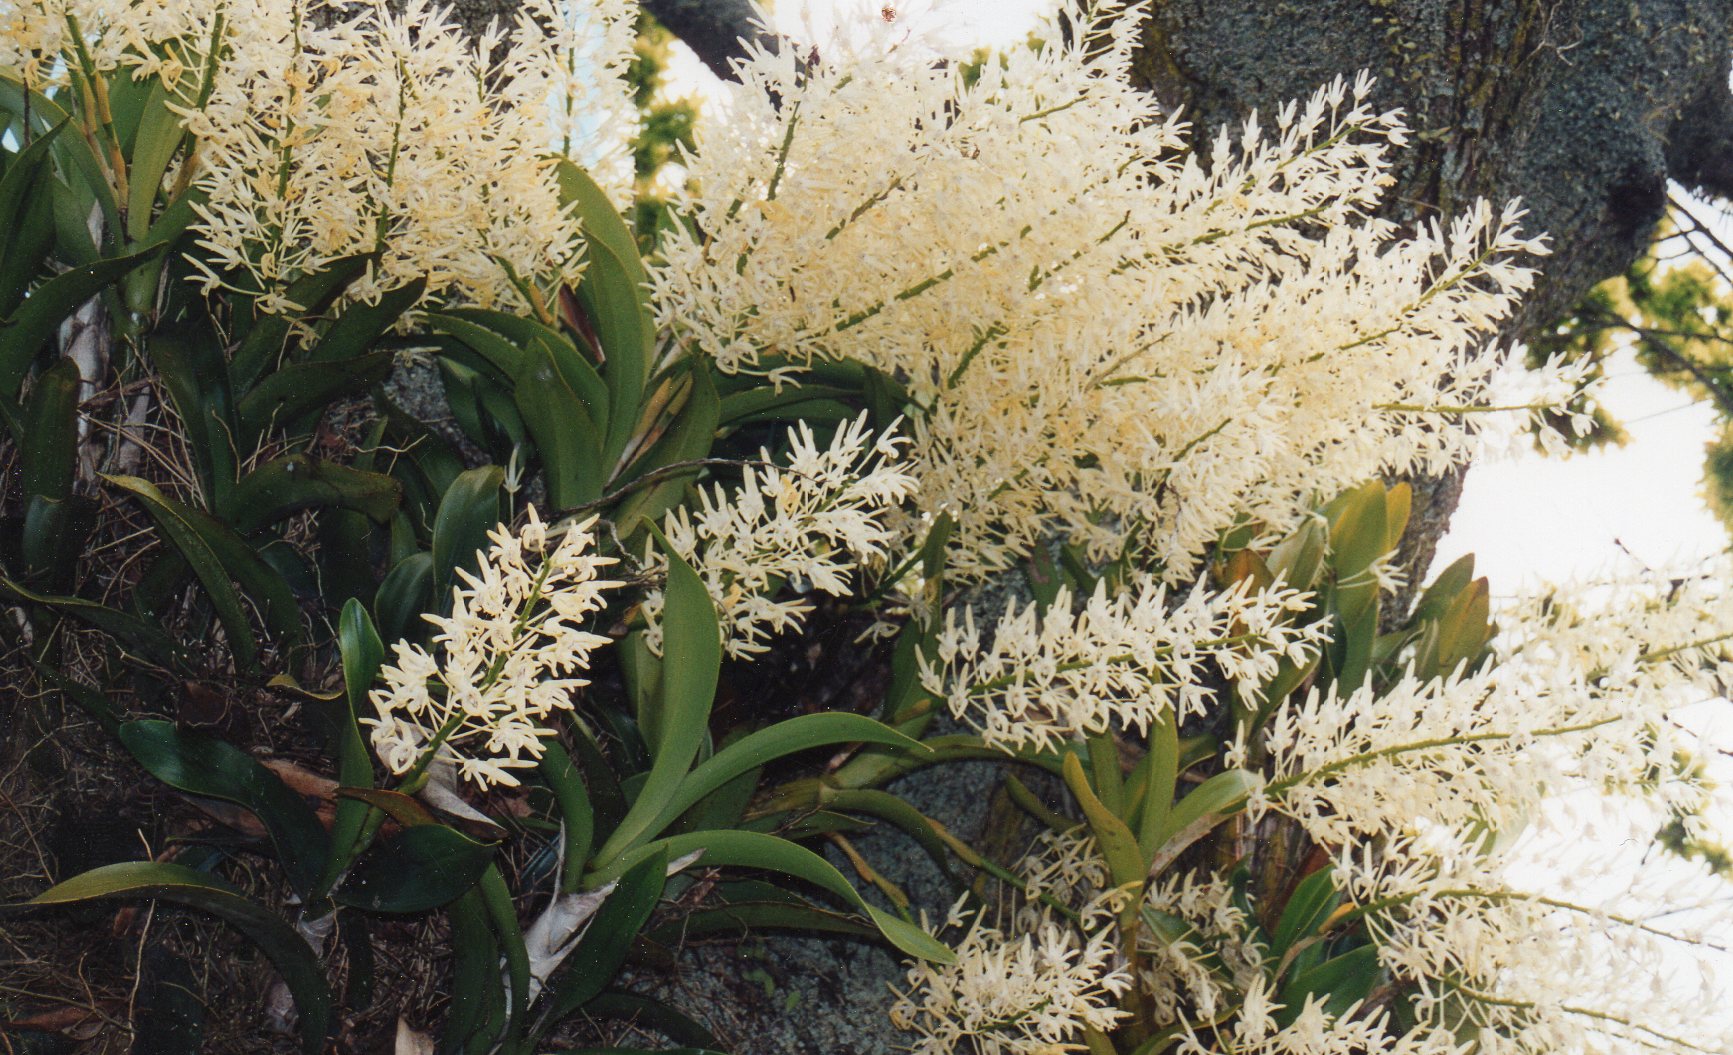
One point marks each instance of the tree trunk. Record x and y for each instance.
(1583, 109)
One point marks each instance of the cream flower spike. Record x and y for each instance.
(503, 662)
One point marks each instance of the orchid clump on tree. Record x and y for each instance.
(921, 325)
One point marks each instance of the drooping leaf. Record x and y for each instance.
(748, 849)
(294, 482)
(144, 635)
(766, 745)
(287, 950)
(299, 389)
(200, 764)
(26, 213)
(220, 558)
(35, 322)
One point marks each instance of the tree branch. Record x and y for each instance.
(715, 29)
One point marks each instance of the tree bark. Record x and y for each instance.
(1583, 109)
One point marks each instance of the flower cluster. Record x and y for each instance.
(379, 128)
(1028, 993)
(1127, 658)
(801, 526)
(1106, 336)
(1432, 794)
(506, 659)
(328, 130)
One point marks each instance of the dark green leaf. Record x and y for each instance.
(420, 868)
(362, 324)
(1311, 903)
(200, 764)
(295, 482)
(466, 514)
(576, 815)
(287, 950)
(143, 635)
(302, 388)
(602, 949)
(404, 596)
(221, 558)
(154, 147)
(51, 423)
(35, 322)
(692, 661)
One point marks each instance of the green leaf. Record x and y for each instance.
(190, 363)
(220, 558)
(51, 423)
(576, 814)
(199, 764)
(262, 346)
(784, 738)
(602, 949)
(287, 950)
(362, 324)
(615, 294)
(477, 995)
(73, 150)
(26, 213)
(420, 868)
(1118, 846)
(404, 596)
(158, 140)
(689, 438)
(289, 484)
(1161, 779)
(652, 1013)
(1311, 903)
(692, 662)
(792, 402)
(302, 388)
(1341, 982)
(144, 635)
(362, 654)
(35, 322)
(748, 849)
(1194, 816)
(466, 514)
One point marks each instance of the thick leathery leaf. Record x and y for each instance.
(287, 950)
(200, 764)
(420, 868)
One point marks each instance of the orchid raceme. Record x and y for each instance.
(805, 525)
(503, 662)
(323, 131)
(1122, 660)
(1107, 337)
